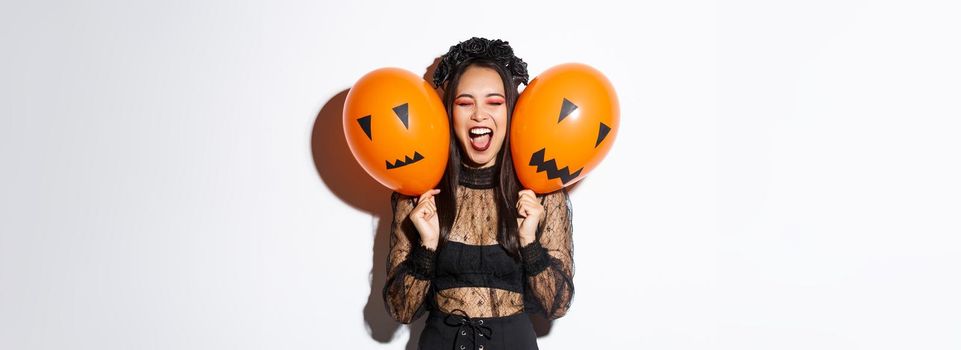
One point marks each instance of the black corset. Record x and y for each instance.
(467, 265)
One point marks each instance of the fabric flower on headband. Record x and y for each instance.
(496, 50)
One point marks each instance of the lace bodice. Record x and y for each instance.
(472, 272)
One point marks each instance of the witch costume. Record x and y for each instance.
(476, 294)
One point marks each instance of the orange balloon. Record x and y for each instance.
(564, 123)
(397, 129)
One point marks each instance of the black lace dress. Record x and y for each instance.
(478, 296)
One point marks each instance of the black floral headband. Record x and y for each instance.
(495, 50)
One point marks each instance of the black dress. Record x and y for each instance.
(477, 295)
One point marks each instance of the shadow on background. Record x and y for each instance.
(344, 177)
(351, 184)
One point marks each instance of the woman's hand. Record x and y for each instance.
(529, 212)
(424, 217)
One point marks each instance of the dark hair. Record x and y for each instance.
(496, 51)
(506, 185)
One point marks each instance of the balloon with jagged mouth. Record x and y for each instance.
(397, 129)
(563, 125)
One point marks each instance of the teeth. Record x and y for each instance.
(480, 131)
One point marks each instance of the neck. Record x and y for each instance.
(482, 177)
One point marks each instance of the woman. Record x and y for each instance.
(479, 252)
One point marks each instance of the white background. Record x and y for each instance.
(175, 176)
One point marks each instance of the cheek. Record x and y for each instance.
(459, 115)
(500, 119)
(459, 120)
(460, 125)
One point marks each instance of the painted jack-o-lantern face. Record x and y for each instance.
(397, 129)
(564, 123)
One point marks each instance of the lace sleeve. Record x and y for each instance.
(549, 260)
(410, 267)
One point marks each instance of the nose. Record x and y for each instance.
(479, 115)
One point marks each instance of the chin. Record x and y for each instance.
(479, 159)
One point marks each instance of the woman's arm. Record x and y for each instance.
(410, 265)
(549, 259)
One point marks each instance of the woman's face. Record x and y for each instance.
(480, 115)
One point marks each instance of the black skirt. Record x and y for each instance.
(456, 331)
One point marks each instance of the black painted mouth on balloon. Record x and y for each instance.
(407, 161)
(550, 166)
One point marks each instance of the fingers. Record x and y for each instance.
(426, 207)
(430, 208)
(530, 212)
(428, 195)
(527, 204)
(526, 194)
(528, 209)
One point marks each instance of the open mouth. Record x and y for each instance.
(550, 166)
(480, 138)
(408, 160)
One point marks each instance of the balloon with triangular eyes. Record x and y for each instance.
(396, 127)
(563, 125)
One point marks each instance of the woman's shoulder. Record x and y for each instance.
(401, 201)
(556, 196)
(394, 195)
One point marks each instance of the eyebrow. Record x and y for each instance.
(488, 95)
